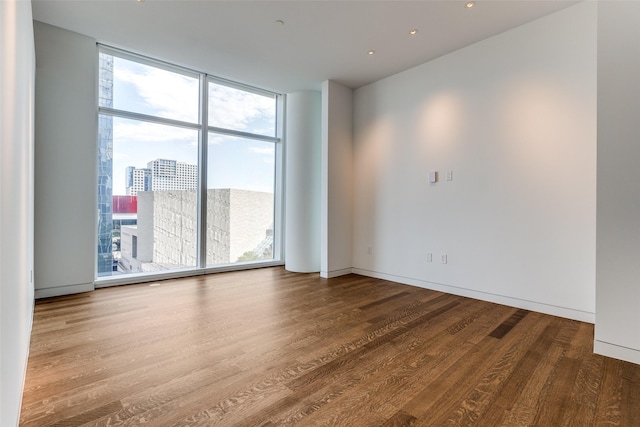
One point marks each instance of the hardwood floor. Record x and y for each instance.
(269, 348)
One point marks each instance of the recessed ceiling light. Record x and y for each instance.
(413, 32)
(470, 4)
(140, 1)
(371, 52)
(280, 22)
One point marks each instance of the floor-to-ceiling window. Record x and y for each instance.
(240, 174)
(187, 169)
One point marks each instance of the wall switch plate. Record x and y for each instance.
(443, 258)
(429, 257)
(450, 176)
(370, 250)
(433, 177)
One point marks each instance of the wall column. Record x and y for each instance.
(302, 193)
(65, 161)
(337, 180)
(618, 204)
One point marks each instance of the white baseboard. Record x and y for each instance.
(616, 351)
(63, 290)
(335, 273)
(553, 310)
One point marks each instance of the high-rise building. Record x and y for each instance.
(105, 168)
(172, 175)
(161, 175)
(137, 180)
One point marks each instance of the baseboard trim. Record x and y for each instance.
(553, 310)
(63, 290)
(335, 273)
(617, 352)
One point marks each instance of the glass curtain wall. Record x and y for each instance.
(179, 189)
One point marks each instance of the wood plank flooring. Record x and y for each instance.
(271, 348)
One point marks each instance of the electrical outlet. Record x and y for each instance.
(370, 250)
(429, 257)
(443, 258)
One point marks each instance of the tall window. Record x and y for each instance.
(178, 188)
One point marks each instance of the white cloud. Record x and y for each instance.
(166, 94)
(266, 153)
(239, 110)
(216, 139)
(130, 130)
(262, 150)
(156, 92)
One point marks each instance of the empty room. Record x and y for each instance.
(319, 213)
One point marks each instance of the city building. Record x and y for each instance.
(105, 170)
(125, 213)
(137, 180)
(172, 175)
(239, 228)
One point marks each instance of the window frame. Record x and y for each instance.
(203, 130)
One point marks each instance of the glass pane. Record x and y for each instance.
(236, 109)
(153, 180)
(240, 203)
(141, 88)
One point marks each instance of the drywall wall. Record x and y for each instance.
(302, 182)
(618, 212)
(65, 161)
(336, 180)
(17, 73)
(513, 118)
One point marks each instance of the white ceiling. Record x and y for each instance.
(320, 40)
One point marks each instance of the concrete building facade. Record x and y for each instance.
(239, 228)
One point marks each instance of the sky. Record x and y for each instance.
(232, 162)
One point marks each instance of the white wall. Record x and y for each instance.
(302, 183)
(336, 180)
(618, 228)
(65, 160)
(514, 118)
(17, 71)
